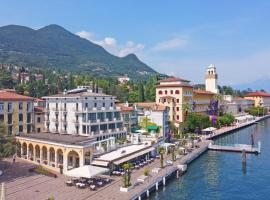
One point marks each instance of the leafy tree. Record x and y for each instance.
(141, 92)
(7, 142)
(197, 121)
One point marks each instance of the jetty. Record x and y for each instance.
(236, 148)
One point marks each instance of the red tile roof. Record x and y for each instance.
(173, 79)
(151, 105)
(124, 107)
(174, 85)
(5, 96)
(203, 92)
(257, 94)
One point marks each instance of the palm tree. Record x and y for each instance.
(161, 151)
(186, 108)
(127, 176)
(173, 152)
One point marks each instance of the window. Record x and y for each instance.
(28, 118)
(166, 92)
(9, 107)
(1, 106)
(177, 108)
(111, 104)
(65, 106)
(65, 128)
(111, 126)
(160, 92)
(20, 128)
(56, 105)
(177, 92)
(101, 116)
(20, 105)
(1, 117)
(38, 130)
(28, 128)
(171, 91)
(95, 105)
(177, 117)
(9, 118)
(38, 120)
(28, 107)
(103, 104)
(77, 130)
(56, 116)
(109, 115)
(92, 116)
(77, 106)
(84, 129)
(20, 117)
(86, 105)
(103, 127)
(177, 100)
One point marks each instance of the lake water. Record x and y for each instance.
(222, 176)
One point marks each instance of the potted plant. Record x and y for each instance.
(126, 178)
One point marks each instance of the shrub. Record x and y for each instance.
(146, 171)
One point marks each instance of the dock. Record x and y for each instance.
(235, 148)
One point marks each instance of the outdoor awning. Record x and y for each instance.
(86, 171)
(241, 118)
(209, 129)
(128, 158)
(152, 127)
(100, 163)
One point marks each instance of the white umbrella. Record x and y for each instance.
(86, 171)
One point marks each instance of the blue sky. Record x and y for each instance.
(175, 37)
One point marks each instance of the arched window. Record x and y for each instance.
(160, 92)
(177, 92)
(166, 92)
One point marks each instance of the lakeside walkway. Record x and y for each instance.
(21, 184)
(225, 130)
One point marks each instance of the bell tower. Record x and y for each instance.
(211, 79)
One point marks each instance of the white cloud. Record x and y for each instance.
(85, 34)
(174, 43)
(111, 44)
(130, 47)
(107, 41)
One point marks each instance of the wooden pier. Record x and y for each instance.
(236, 148)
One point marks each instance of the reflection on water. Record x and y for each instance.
(222, 175)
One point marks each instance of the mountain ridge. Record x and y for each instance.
(53, 46)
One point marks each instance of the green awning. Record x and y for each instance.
(152, 127)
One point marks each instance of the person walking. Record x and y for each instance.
(14, 158)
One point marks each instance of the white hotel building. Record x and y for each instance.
(85, 114)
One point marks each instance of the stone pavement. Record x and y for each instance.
(22, 185)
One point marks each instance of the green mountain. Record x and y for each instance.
(55, 47)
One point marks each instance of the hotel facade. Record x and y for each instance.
(17, 112)
(78, 125)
